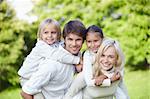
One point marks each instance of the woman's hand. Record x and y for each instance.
(99, 80)
(26, 96)
(116, 76)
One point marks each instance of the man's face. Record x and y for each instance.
(73, 43)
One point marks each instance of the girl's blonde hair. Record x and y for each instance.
(45, 23)
(106, 43)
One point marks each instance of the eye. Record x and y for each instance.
(54, 32)
(111, 56)
(70, 39)
(102, 55)
(88, 41)
(45, 32)
(95, 40)
(79, 39)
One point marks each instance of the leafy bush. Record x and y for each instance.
(13, 34)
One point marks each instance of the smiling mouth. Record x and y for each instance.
(106, 65)
(74, 49)
(50, 39)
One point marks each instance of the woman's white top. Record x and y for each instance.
(41, 51)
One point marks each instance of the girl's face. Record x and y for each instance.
(93, 41)
(108, 59)
(49, 34)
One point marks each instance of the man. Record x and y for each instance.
(54, 78)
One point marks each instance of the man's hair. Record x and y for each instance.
(74, 27)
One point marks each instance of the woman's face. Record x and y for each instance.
(93, 41)
(108, 59)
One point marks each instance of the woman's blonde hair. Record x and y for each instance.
(106, 43)
(45, 23)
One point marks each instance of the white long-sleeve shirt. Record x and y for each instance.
(42, 51)
(89, 58)
(52, 78)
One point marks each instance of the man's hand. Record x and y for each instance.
(115, 77)
(26, 96)
(99, 79)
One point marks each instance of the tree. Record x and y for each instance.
(13, 34)
(129, 23)
(125, 20)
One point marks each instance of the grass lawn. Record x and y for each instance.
(137, 82)
(10, 94)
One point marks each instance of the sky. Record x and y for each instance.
(22, 7)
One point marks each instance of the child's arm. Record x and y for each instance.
(58, 54)
(87, 69)
(100, 80)
(108, 81)
(79, 67)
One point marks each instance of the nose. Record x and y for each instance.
(49, 34)
(92, 44)
(74, 43)
(105, 59)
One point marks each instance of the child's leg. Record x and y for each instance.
(38, 96)
(23, 81)
(76, 86)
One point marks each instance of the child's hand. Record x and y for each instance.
(79, 67)
(26, 96)
(99, 80)
(115, 77)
